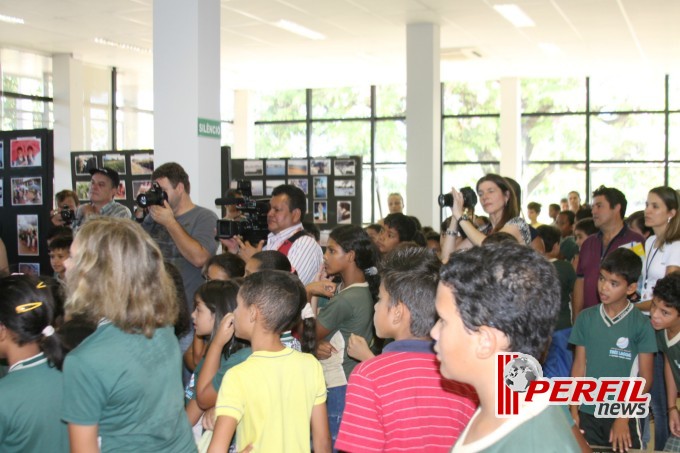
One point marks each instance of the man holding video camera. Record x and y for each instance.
(287, 208)
(103, 188)
(184, 232)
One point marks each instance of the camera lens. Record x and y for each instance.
(445, 199)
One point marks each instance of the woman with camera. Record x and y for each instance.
(499, 202)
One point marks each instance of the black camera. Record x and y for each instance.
(469, 198)
(67, 215)
(252, 226)
(154, 196)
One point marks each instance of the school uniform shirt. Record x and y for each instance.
(671, 349)
(271, 396)
(131, 387)
(612, 344)
(30, 401)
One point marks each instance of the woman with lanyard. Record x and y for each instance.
(499, 201)
(662, 256)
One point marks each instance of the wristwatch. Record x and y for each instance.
(464, 217)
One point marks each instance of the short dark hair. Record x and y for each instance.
(571, 217)
(550, 235)
(296, 197)
(432, 236)
(667, 289)
(535, 207)
(509, 287)
(62, 195)
(232, 264)
(624, 263)
(175, 174)
(272, 260)
(278, 295)
(584, 212)
(586, 225)
(410, 276)
(375, 227)
(498, 237)
(554, 207)
(637, 220)
(60, 243)
(405, 226)
(312, 229)
(613, 196)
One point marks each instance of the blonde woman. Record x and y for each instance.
(123, 384)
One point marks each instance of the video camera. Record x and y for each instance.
(154, 196)
(253, 226)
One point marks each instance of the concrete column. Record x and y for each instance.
(67, 85)
(423, 122)
(511, 129)
(186, 59)
(244, 125)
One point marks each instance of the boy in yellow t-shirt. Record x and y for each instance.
(272, 398)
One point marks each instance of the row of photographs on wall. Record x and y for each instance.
(140, 163)
(299, 167)
(24, 152)
(341, 187)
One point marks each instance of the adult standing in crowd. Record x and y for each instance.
(103, 188)
(609, 209)
(65, 199)
(287, 208)
(574, 201)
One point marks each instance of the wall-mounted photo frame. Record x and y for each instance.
(25, 152)
(2, 154)
(27, 191)
(84, 163)
(276, 167)
(121, 193)
(32, 269)
(257, 187)
(298, 167)
(345, 167)
(83, 190)
(271, 184)
(2, 193)
(28, 235)
(141, 164)
(344, 188)
(253, 168)
(320, 187)
(115, 161)
(139, 187)
(344, 212)
(320, 167)
(301, 183)
(320, 212)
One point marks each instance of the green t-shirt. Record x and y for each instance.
(568, 248)
(612, 345)
(131, 387)
(239, 356)
(30, 401)
(349, 311)
(671, 349)
(567, 277)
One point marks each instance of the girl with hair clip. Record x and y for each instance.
(499, 201)
(212, 302)
(31, 394)
(350, 255)
(123, 383)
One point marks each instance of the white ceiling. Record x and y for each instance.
(366, 38)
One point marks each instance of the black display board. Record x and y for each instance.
(134, 167)
(332, 184)
(26, 175)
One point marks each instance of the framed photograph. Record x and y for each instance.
(83, 190)
(344, 188)
(2, 190)
(253, 168)
(257, 188)
(140, 187)
(344, 167)
(2, 155)
(27, 191)
(320, 212)
(32, 269)
(27, 234)
(25, 152)
(302, 183)
(297, 167)
(320, 167)
(344, 212)
(271, 184)
(276, 167)
(121, 194)
(115, 162)
(321, 187)
(141, 164)
(84, 163)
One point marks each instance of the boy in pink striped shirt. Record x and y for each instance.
(398, 401)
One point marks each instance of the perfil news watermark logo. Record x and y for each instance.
(519, 380)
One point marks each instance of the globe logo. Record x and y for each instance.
(520, 372)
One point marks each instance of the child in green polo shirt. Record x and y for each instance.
(613, 339)
(665, 315)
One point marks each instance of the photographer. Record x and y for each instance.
(66, 206)
(103, 188)
(286, 234)
(184, 232)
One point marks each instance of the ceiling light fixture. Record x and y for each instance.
(299, 30)
(514, 14)
(106, 42)
(11, 19)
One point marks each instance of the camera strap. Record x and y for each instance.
(288, 243)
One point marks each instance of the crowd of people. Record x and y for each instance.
(385, 339)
